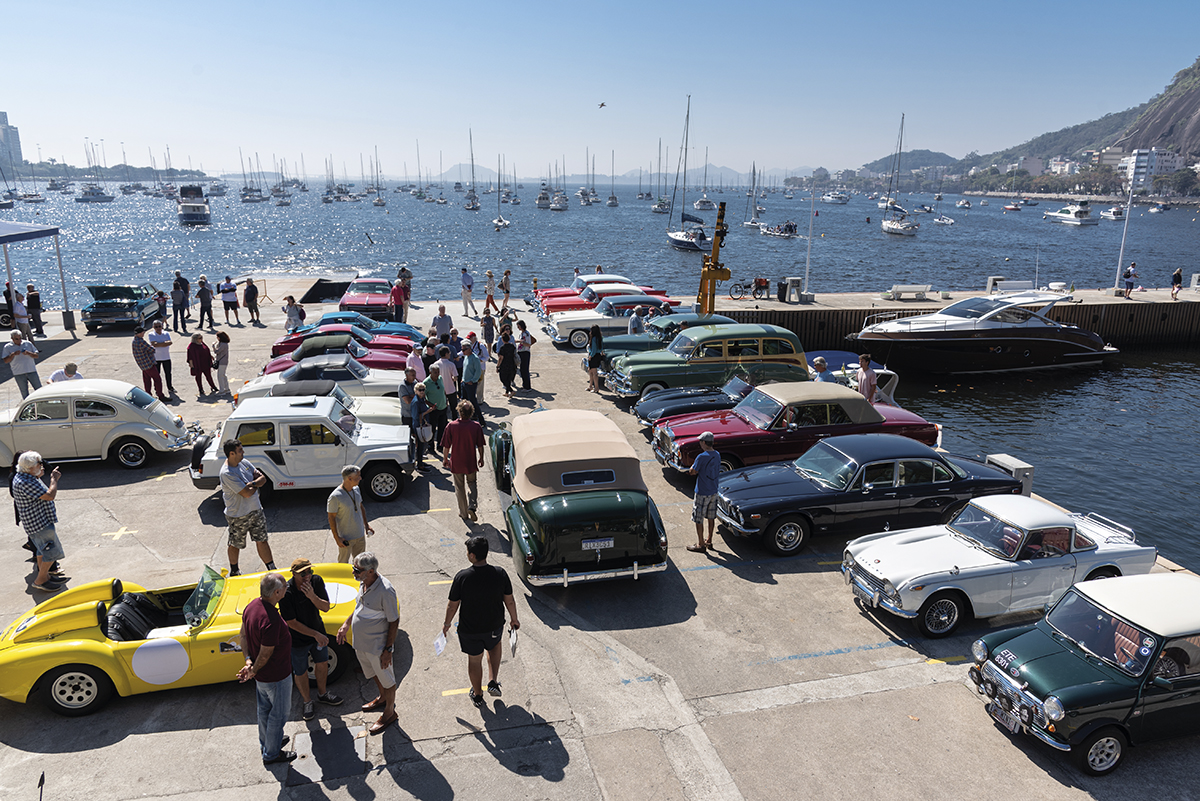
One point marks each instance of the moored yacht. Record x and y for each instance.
(838, 198)
(963, 204)
(1075, 214)
(92, 193)
(193, 207)
(704, 204)
(1114, 213)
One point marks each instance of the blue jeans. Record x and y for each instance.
(24, 380)
(274, 704)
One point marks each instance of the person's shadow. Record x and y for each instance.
(521, 741)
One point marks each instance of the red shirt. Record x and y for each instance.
(397, 295)
(462, 439)
(264, 626)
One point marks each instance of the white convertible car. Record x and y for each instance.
(611, 314)
(1004, 553)
(341, 368)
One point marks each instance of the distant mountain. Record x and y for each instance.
(1171, 120)
(1069, 142)
(912, 160)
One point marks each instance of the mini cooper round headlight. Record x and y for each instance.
(979, 651)
(1054, 708)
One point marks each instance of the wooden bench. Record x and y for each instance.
(1013, 286)
(917, 290)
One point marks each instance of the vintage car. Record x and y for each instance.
(76, 649)
(365, 323)
(589, 297)
(850, 485)
(580, 283)
(304, 442)
(367, 296)
(660, 331)
(120, 305)
(1005, 553)
(689, 400)
(782, 421)
(92, 418)
(384, 411)
(579, 508)
(354, 378)
(1114, 663)
(703, 355)
(288, 343)
(375, 358)
(611, 314)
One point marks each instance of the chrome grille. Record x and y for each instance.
(1006, 687)
(664, 440)
(874, 582)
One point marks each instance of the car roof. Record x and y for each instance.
(1167, 604)
(325, 361)
(637, 300)
(603, 278)
(869, 447)
(322, 342)
(80, 387)
(371, 281)
(794, 392)
(725, 330)
(1025, 512)
(625, 289)
(692, 319)
(550, 443)
(268, 406)
(310, 386)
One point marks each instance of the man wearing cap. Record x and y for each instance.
(637, 323)
(373, 625)
(468, 284)
(303, 602)
(706, 467)
(348, 515)
(822, 370)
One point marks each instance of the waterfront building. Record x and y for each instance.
(1031, 164)
(1141, 166)
(10, 141)
(841, 176)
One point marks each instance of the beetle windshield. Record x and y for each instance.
(200, 606)
(826, 465)
(1099, 632)
(987, 531)
(758, 409)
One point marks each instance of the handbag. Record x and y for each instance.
(425, 433)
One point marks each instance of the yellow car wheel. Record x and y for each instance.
(75, 690)
(341, 657)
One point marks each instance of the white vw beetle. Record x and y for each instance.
(1003, 553)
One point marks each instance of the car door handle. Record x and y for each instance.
(68, 425)
(290, 450)
(1068, 567)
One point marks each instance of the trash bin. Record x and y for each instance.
(68, 320)
(781, 291)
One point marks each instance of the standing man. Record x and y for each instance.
(19, 356)
(267, 643)
(449, 373)
(143, 354)
(867, 380)
(373, 627)
(706, 467)
(228, 291)
(348, 516)
(1130, 275)
(250, 298)
(468, 285)
(396, 303)
(21, 315)
(33, 300)
(822, 370)
(240, 482)
(506, 287)
(34, 501)
(301, 608)
(69, 372)
(179, 308)
(408, 389)
(483, 592)
(186, 286)
(637, 323)
(435, 396)
(472, 375)
(462, 439)
(204, 294)
(489, 292)
(415, 363)
(442, 322)
(161, 341)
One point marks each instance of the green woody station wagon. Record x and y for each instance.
(580, 510)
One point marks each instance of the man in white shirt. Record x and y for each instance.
(161, 341)
(229, 299)
(21, 315)
(449, 373)
(19, 356)
(468, 284)
(69, 372)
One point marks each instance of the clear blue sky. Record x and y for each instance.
(786, 84)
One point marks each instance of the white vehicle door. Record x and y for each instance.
(312, 449)
(45, 426)
(93, 420)
(1044, 568)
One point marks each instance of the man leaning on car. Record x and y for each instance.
(301, 608)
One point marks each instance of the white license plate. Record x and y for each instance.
(1006, 720)
(596, 545)
(863, 594)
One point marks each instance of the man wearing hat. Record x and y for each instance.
(468, 284)
(301, 608)
(706, 467)
(489, 291)
(822, 370)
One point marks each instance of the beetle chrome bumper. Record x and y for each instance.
(873, 597)
(567, 577)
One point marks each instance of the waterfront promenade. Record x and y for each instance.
(733, 675)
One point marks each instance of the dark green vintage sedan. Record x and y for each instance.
(1114, 663)
(579, 508)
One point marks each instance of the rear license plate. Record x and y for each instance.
(863, 594)
(1006, 720)
(596, 545)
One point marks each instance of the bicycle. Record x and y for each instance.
(759, 288)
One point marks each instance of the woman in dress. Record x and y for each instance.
(506, 362)
(294, 312)
(200, 360)
(595, 345)
(221, 361)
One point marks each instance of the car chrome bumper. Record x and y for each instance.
(551, 332)
(567, 577)
(618, 387)
(869, 595)
(668, 460)
(729, 522)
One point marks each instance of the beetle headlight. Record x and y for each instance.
(979, 651)
(1054, 708)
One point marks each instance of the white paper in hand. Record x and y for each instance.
(512, 641)
(439, 644)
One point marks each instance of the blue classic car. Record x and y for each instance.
(120, 305)
(367, 324)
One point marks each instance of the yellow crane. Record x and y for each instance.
(712, 270)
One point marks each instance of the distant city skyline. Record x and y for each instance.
(788, 86)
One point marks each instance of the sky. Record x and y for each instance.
(783, 84)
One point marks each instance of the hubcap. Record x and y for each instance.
(1104, 753)
(132, 454)
(74, 690)
(942, 615)
(384, 485)
(788, 536)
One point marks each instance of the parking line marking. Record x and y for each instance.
(161, 476)
(946, 660)
(116, 535)
(835, 652)
(447, 509)
(463, 691)
(446, 581)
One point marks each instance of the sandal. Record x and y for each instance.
(697, 548)
(708, 544)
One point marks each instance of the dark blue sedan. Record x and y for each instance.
(367, 324)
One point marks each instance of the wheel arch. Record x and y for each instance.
(141, 431)
(1091, 727)
(88, 653)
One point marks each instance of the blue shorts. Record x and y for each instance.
(300, 657)
(47, 545)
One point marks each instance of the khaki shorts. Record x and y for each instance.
(356, 546)
(254, 524)
(372, 669)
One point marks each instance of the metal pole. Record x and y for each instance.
(1124, 231)
(62, 278)
(7, 265)
(812, 207)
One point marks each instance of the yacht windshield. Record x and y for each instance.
(989, 532)
(972, 308)
(825, 464)
(1099, 632)
(682, 345)
(758, 409)
(200, 606)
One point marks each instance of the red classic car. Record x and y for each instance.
(289, 343)
(592, 295)
(782, 421)
(378, 358)
(367, 296)
(577, 286)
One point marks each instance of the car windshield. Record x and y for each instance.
(758, 409)
(361, 334)
(605, 308)
(200, 606)
(356, 368)
(1101, 633)
(682, 345)
(357, 350)
(371, 288)
(826, 465)
(588, 294)
(972, 308)
(736, 388)
(139, 398)
(578, 283)
(344, 399)
(366, 323)
(346, 419)
(988, 531)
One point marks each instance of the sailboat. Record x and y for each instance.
(471, 201)
(691, 238)
(895, 219)
(516, 199)
(941, 218)
(751, 202)
(612, 186)
(499, 222)
(378, 202)
(704, 204)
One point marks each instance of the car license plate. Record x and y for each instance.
(1006, 720)
(863, 595)
(596, 545)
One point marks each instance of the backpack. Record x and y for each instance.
(303, 316)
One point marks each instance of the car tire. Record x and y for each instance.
(1102, 573)
(729, 462)
(383, 482)
(653, 386)
(131, 452)
(340, 659)
(579, 339)
(941, 615)
(75, 690)
(1101, 751)
(788, 535)
(92, 327)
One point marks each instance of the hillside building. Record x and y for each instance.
(1063, 166)
(1032, 165)
(10, 141)
(1141, 166)
(841, 176)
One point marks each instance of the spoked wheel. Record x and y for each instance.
(940, 615)
(760, 292)
(737, 291)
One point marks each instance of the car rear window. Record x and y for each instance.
(777, 347)
(580, 478)
(93, 408)
(139, 398)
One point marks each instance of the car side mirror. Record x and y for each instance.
(1162, 683)
(868, 487)
(1046, 607)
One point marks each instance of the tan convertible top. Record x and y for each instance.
(800, 392)
(549, 443)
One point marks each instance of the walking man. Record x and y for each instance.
(33, 299)
(489, 292)
(19, 356)
(868, 381)
(374, 623)
(442, 322)
(348, 516)
(228, 291)
(267, 643)
(468, 285)
(706, 467)
(34, 501)
(161, 341)
(481, 592)
(240, 482)
(301, 608)
(143, 354)
(462, 440)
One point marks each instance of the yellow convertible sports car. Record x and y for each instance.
(77, 648)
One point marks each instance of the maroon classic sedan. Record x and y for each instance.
(378, 359)
(781, 421)
(289, 343)
(367, 296)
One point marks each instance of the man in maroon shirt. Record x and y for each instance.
(267, 643)
(461, 438)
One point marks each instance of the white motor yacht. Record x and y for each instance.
(1075, 214)
(1113, 213)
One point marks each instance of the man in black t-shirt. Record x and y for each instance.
(483, 592)
(301, 609)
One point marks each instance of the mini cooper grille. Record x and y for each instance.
(1016, 697)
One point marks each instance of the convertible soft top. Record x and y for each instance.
(556, 442)
(855, 405)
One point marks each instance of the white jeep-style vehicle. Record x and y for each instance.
(304, 442)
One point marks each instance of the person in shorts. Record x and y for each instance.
(706, 467)
(481, 592)
(374, 623)
(34, 501)
(228, 290)
(240, 482)
(348, 516)
(301, 608)
(250, 298)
